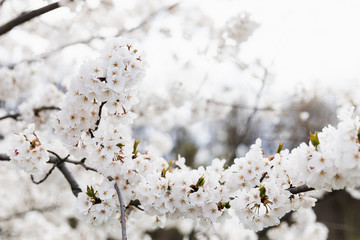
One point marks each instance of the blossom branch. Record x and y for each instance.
(27, 16)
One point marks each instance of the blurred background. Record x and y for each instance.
(220, 75)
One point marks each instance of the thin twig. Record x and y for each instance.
(240, 106)
(82, 163)
(27, 16)
(46, 176)
(122, 209)
(256, 105)
(13, 116)
(36, 111)
(91, 131)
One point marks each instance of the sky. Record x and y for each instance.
(314, 42)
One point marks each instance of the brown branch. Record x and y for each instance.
(27, 16)
(122, 209)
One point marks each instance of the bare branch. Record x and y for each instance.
(46, 176)
(37, 111)
(13, 116)
(82, 163)
(4, 157)
(2, 2)
(27, 16)
(69, 177)
(122, 209)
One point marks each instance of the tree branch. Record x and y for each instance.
(46, 176)
(37, 111)
(300, 189)
(27, 16)
(122, 209)
(69, 177)
(82, 163)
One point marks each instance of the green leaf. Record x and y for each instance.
(201, 181)
(281, 144)
(90, 192)
(120, 145)
(135, 151)
(314, 140)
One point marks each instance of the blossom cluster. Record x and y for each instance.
(100, 97)
(332, 159)
(94, 123)
(97, 206)
(15, 83)
(27, 152)
(304, 227)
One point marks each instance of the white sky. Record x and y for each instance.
(307, 40)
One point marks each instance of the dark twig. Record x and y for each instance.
(82, 163)
(13, 116)
(122, 209)
(300, 189)
(40, 109)
(27, 16)
(91, 131)
(46, 176)
(135, 203)
(4, 157)
(2, 2)
(37, 111)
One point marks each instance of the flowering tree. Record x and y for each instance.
(83, 127)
